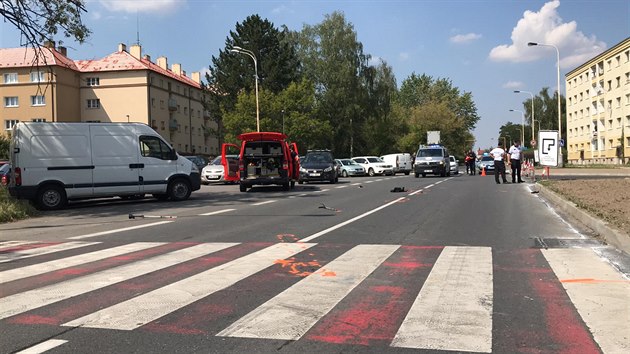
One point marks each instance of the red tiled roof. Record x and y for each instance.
(117, 61)
(25, 57)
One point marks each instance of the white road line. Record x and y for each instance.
(265, 202)
(378, 180)
(217, 212)
(416, 192)
(11, 244)
(294, 311)
(335, 227)
(32, 252)
(41, 268)
(32, 299)
(339, 187)
(43, 347)
(454, 308)
(372, 181)
(356, 184)
(145, 308)
(430, 185)
(600, 294)
(118, 230)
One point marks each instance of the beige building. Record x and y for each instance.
(123, 86)
(598, 108)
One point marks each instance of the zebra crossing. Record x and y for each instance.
(421, 297)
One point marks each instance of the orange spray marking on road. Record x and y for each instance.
(591, 281)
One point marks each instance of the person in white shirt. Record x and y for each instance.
(499, 163)
(515, 161)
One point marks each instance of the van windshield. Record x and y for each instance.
(429, 153)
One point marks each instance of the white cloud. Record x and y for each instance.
(282, 9)
(404, 56)
(513, 85)
(547, 27)
(153, 6)
(465, 38)
(95, 15)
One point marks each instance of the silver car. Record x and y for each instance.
(213, 172)
(349, 168)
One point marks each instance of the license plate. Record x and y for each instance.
(314, 174)
(428, 170)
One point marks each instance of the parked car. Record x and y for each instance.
(402, 162)
(199, 161)
(349, 168)
(318, 165)
(4, 174)
(454, 164)
(215, 172)
(374, 165)
(432, 159)
(486, 162)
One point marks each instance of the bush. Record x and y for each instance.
(12, 209)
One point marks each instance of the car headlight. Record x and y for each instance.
(328, 169)
(441, 162)
(302, 169)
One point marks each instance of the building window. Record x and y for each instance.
(38, 101)
(94, 103)
(39, 120)
(9, 123)
(37, 76)
(186, 110)
(11, 101)
(153, 102)
(162, 125)
(93, 81)
(11, 78)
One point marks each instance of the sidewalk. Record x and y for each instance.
(585, 171)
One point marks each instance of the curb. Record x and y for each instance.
(609, 234)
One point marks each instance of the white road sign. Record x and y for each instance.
(548, 147)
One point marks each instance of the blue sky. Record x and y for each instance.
(481, 45)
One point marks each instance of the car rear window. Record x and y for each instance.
(487, 158)
(430, 153)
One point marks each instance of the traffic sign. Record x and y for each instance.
(548, 149)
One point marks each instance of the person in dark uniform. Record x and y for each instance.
(471, 158)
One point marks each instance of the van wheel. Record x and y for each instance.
(416, 175)
(424, 175)
(371, 172)
(179, 190)
(407, 173)
(51, 197)
(286, 186)
(344, 173)
(242, 187)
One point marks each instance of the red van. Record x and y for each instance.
(265, 158)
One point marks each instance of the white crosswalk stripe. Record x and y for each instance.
(32, 252)
(454, 308)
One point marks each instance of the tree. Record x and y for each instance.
(40, 20)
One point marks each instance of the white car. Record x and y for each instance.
(454, 164)
(374, 165)
(213, 172)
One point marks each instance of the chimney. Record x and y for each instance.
(63, 51)
(136, 51)
(196, 77)
(177, 69)
(162, 62)
(147, 57)
(122, 47)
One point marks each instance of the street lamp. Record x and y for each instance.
(283, 121)
(559, 112)
(531, 94)
(240, 50)
(522, 124)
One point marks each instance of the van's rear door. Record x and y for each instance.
(230, 166)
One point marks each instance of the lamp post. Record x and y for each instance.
(283, 121)
(533, 119)
(559, 112)
(522, 124)
(240, 50)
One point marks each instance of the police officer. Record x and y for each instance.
(499, 163)
(515, 161)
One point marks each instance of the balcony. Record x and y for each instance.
(172, 124)
(172, 104)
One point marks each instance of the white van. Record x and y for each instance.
(56, 162)
(402, 162)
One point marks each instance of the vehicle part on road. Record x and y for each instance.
(322, 206)
(398, 190)
(142, 216)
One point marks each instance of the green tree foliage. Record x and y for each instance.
(232, 73)
(40, 20)
(4, 147)
(433, 116)
(332, 58)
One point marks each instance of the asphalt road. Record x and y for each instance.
(449, 264)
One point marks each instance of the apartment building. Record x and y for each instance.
(598, 108)
(125, 86)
